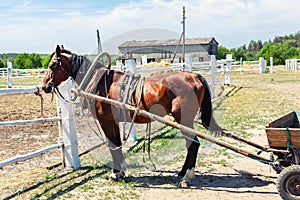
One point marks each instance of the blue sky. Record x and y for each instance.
(38, 26)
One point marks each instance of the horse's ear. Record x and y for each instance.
(57, 51)
(62, 47)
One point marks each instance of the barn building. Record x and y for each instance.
(200, 49)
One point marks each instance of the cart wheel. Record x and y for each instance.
(288, 183)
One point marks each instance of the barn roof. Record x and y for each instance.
(171, 42)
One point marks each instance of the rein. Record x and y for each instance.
(58, 93)
(38, 93)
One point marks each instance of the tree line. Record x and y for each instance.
(280, 48)
(25, 60)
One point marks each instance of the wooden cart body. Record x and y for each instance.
(284, 132)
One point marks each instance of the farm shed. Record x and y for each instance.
(162, 50)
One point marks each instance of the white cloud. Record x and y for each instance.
(232, 22)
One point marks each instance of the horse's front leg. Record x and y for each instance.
(112, 132)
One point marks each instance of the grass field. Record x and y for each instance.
(245, 107)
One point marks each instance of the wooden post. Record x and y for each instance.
(130, 66)
(68, 126)
(262, 65)
(213, 75)
(241, 64)
(286, 64)
(227, 69)
(99, 42)
(295, 64)
(183, 34)
(9, 74)
(188, 63)
(271, 65)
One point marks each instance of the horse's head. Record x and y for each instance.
(59, 69)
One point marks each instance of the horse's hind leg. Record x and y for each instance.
(112, 132)
(186, 118)
(188, 169)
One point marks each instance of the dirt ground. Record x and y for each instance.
(235, 178)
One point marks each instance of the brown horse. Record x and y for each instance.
(179, 93)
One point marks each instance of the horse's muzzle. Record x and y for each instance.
(48, 88)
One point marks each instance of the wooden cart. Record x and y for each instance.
(284, 140)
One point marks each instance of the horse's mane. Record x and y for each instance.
(80, 65)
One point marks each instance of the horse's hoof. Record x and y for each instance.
(117, 176)
(183, 184)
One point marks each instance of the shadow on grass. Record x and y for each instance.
(160, 133)
(233, 183)
(86, 173)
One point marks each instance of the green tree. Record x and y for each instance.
(46, 61)
(28, 61)
(298, 52)
(2, 64)
(239, 52)
(222, 51)
(279, 52)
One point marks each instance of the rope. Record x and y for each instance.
(38, 93)
(288, 135)
(148, 137)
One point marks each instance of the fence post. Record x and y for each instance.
(295, 64)
(262, 65)
(68, 126)
(144, 60)
(213, 63)
(188, 63)
(9, 74)
(227, 69)
(241, 64)
(130, 66)
(271, 65)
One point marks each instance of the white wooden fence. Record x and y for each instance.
(10, 73)
(292, 64)
(66, 125)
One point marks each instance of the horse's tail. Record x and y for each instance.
(207, 117)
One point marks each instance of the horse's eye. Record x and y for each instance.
(53, 66)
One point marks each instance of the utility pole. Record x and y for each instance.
(99, 42)
(183, 34)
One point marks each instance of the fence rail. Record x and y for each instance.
(23, 90)
(66, 124)
(19, 158)
(29, 121)
(22, 73)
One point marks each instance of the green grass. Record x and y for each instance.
(31, 81)
(252, 101)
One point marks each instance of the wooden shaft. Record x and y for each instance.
(238, 138)
(182, 128)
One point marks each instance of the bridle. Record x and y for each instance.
(54, 67)
(68, 72)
